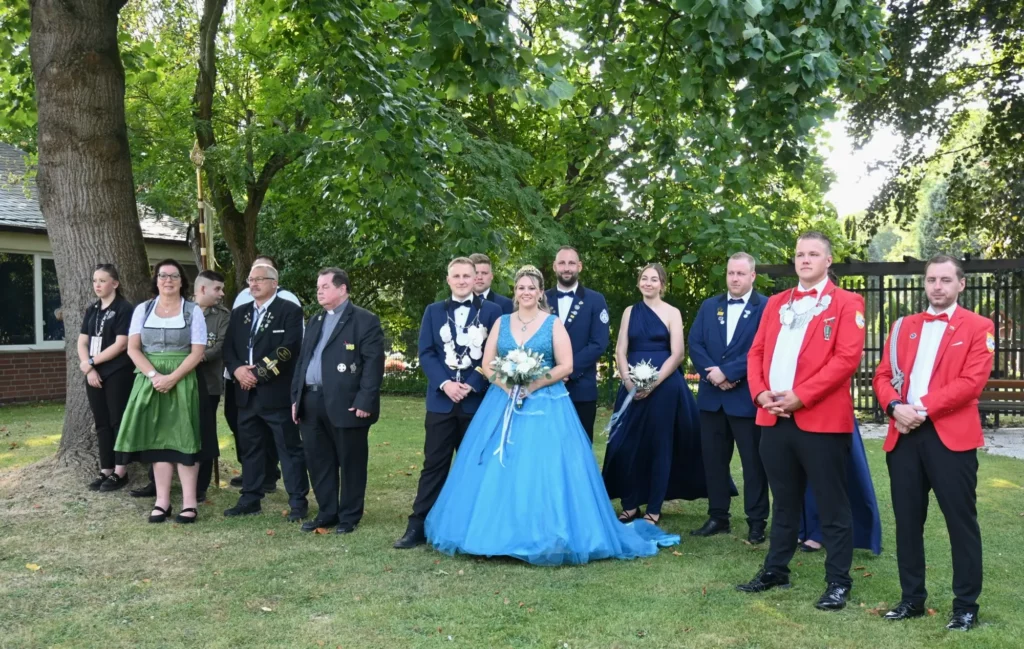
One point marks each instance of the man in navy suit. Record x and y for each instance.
(452, 338)
(482, 284)
(584, 313)
(719, 341)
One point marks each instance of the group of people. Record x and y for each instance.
(775, 382)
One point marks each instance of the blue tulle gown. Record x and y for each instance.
(654, 451)
(867, 525)
(540, 497)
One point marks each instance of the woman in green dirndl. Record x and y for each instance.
(166, 342)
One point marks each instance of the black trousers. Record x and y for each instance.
(255, 426)
(718, 432)
(231, 415)
(337, 459)
(444, 436)
(108, 404)
(921, 463)
(587, 412)
(792, 459)
(206, 466)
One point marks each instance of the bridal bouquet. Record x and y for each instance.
(519, 368)
(643, 375)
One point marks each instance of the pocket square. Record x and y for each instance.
(278, 331)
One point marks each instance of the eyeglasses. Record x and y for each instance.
(257, 280)
(172, 276)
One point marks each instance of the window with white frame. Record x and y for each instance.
(31, 315)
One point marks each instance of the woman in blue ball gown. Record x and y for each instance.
(654, 450)
(531, 490)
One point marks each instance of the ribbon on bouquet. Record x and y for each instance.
(514, 399)
(613, 423)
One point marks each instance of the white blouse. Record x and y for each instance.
(174, 322)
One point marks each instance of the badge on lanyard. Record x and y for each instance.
(95, 345)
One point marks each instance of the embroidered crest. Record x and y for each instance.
(859, 319)
(342, 367)
(990, 342)
(284, 354)
(353, 368)
(211, 338)
(350, 346)
(604, 316)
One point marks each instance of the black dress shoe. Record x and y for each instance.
(834, 598)
(114, 482)
(311, 526)
(803, 547)
(297, 514)
(412, 537)
(962, 621)
(149, 491)
(95, 484)
(243, 510)
(711, 527)
(345, 528)
(904, 611)
(763, 581)
(236, 481)
(755, 534)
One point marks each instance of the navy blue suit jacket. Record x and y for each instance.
(431, 351)
(502, 301)
(588, 330)
(708, 349)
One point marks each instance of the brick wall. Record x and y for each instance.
(32, 376)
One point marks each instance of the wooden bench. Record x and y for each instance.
(1002, 395)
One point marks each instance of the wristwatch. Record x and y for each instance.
(151, 373)
(889, 409)
(92, 361)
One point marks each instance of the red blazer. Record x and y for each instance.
(962, 367)
(825, 367)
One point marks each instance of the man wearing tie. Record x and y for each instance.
(452, 337)
(799, 369)
(482, 284)
(930, 389)
(719, 341)
(584, 313)
(335, 395)
(262, 341)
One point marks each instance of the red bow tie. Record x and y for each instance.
(944, 317)
(798, 294)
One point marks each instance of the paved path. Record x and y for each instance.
(1000, 441)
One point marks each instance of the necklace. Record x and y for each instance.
(525, 324)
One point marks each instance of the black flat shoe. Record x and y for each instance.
(834, 598)
(803, 547)
(316, 523)
(345, 528)
(114, 482)
(962, 621)
(755, 534)
(412, 538)
(711, 527)
(95, 484)
(243, 510)
(149, 491)
(763, 581)
(297, 514)
(236, 481)
(185, 520)
(904, 611)
(162, 516)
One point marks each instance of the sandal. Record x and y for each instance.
(162, 516)
(650, 518)
(626, 517)
(185, 520)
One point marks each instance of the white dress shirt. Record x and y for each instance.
(485, 295)
(461, 313)
(732, 315)
(787, 348)
(927, 349)
(565, 303)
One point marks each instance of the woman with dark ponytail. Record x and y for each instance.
(102, 352)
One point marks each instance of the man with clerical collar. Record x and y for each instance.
(934, 367)
(335, 398)
(720, 339)
(262, 341)
(584, 313)
(799, 370)
(483, 280)
(451, 343)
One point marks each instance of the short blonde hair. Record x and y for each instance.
(461, 260)
(480, 258)
(746, 257)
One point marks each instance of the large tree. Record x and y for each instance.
(84, 177)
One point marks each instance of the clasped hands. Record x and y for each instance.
(245, 377)
(716, 377)
(781, 403)
(456, 391)
(908, 417)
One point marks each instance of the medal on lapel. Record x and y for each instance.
(721, 316)
(342, 367)
(353, 368)
(828, 328)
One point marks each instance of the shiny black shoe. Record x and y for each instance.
(904, 611)
(962, 621)
(95, 484)
(162, 516)
(297, 514)
(243, 510)
(345, 528)
(236, 482)
(185, 520)
(114, 482)
(834, 598)
(711, 527)
(413, 536)
(755, 533)
(148, 491)
(311, 526)
(763, 581)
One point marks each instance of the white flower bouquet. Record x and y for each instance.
(643, 375)
(517, 369)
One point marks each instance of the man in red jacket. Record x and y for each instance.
(806, 350)
(943, 359)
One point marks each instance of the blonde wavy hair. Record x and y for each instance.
(533, 273)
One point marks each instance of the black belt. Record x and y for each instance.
(314, 388)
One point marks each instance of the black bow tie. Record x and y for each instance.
(457, 305)
(735, 300)
(570, 294)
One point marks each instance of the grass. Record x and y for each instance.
(106, 578)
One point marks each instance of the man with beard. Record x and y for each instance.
(584, 313)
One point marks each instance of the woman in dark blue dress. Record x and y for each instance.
(654, 448)
(867, 526)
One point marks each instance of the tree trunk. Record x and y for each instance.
(86, 191)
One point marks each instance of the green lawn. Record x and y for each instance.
(106, 578)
